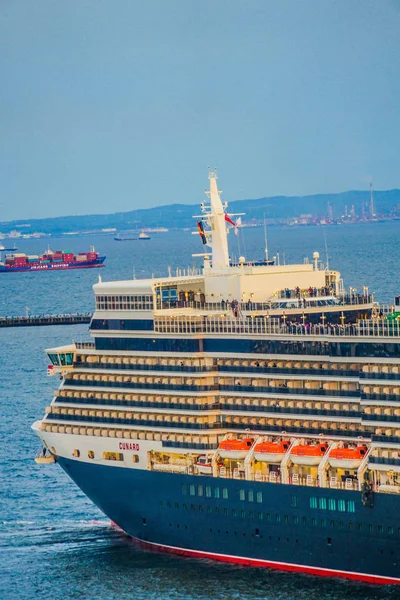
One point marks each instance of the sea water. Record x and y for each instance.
(54, 543)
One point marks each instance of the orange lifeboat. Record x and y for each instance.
(271, 452)
(347, 458)
(235, 449)
(310, 455)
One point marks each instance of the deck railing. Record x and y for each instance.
(212, 324)
(297, 302)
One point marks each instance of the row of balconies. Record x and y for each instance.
(172, 403)
(130, 418)
(236, 404)
(295, 365)
(203, 442)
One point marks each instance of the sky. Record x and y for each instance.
(112, 105)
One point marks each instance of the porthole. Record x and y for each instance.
(90, 454)
(76, 453)
(135, 458)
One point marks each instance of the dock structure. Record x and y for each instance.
(35, 320)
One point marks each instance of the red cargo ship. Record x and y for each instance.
(52, 261)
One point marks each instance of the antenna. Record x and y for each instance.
(326, 249)
(265, 239)
(371, 201)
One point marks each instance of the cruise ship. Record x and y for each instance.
(247, 412)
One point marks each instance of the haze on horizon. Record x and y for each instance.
(112, 106)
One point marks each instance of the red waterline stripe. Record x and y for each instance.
(254, 562)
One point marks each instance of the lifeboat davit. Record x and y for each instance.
(204, 465)
(235, 449)
(271, 452)
(347, 458)
(310, 455)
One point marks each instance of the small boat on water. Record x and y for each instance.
(308, 454)
(271, 452)
(235, 449)
(347, 458)
(130, 238)
(43, 457)
(5, 249)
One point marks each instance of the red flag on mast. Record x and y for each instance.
(229, 220)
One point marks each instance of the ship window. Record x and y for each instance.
(184, 490)
(200, 490)
(380, 529)
(90, 454)
(350, 526)
(250, 496)
(260, 516)
(113, 456)
(209, 509)
(341, 524)
(370, 528)
(243, 514)
(314, 521)
(341, 505)
(268, 516)
(177, 505)
(135, 458)
(208, 491)
(278, 518)
(323, 522)
(242, 495)
(286, 519)
(216, 492)
(234, 514)
(304, 520)
(390, 530)
(293, 501)
(313, 502)
(76, 453)
(192, 490)
(351, 506)
(184, 506)
(192, 507)
(200, 508)
(168, 504)
(360, 527)
(259, 497)
(322, 503)
(217, 510)
(225, 511)
(251, 514)
(332, 503)
(296, 520)
(225, 493)
(332, 523)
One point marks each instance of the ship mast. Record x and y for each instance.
(216, 219)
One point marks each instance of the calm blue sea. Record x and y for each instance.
(53, 542)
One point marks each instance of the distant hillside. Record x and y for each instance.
(180, 215)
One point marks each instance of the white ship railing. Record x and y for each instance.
(216, 324)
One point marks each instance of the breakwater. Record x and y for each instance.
(35, 320)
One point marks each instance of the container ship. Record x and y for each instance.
(51, 261)
(246, 412)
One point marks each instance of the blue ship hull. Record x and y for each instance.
(260, 524)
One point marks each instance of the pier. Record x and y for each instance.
(35, 320)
